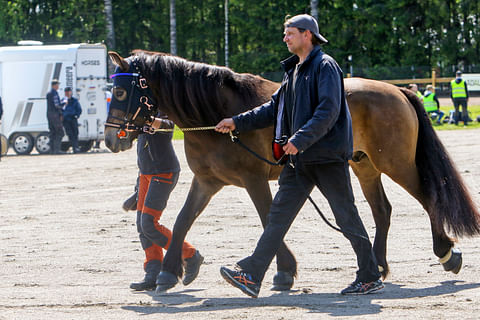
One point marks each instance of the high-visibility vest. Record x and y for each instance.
(420, 96)
(458, 89)
(429, 103)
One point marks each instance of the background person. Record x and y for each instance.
(72, 111)
(459, 95)
(311, 110)
(159, 170)
(54, 117)
(414, 88)
(431, 103)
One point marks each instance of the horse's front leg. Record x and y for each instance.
(198, 197)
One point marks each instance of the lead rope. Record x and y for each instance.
(235, 139)
(186, 129)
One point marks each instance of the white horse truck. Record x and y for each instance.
(25, 75)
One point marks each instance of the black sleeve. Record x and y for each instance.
(1, 108)
(257, 118)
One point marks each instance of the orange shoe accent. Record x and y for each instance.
(243, 280)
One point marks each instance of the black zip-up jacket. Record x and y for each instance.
(155, 153)
(321, 125)
(54, 106)
(72, 109)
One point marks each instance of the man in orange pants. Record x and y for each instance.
(159, 171)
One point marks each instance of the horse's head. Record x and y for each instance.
(132, 105)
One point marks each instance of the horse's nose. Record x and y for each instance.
(111, 141)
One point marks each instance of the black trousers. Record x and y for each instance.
(333, 180)
(457, 102)
(56, 132)
(71, 128)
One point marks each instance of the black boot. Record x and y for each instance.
(148, 283)
(130, 203)
(192, 267)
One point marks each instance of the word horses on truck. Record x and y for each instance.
(25, 76)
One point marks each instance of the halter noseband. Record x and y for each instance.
(145, 101)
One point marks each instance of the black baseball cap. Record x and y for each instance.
(68, 89)
(307, 22)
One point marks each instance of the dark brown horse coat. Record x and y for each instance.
(392, 135)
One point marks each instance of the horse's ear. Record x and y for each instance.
(119, 61)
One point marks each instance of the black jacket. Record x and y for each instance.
(72, 109)
(1, 108)
(155, 153)
(54, 106)
(321, 125)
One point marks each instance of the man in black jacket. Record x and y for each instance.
(310, 113)
(72, 111)
(54, 117)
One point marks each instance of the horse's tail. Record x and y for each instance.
(447, 197)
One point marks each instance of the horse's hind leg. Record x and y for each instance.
(442, 244)
(286, 263)
(198, 197)
(371, 183)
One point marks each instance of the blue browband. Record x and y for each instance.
(124, 74)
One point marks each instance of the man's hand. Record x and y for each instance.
(225, 126)
(289, 148)
(157, 123)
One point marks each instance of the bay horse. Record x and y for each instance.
(392, 136)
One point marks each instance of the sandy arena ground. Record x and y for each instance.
(68, 251)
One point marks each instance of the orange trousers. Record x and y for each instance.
(153, 193)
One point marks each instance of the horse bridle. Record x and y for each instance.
(139, 87)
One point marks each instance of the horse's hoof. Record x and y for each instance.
(383, 271)
(452, 261)
(165, 280)
(282, 281)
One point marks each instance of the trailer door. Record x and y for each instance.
(90, 90)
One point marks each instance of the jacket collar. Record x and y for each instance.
(290, 62)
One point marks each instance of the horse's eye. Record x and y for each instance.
(119, 93)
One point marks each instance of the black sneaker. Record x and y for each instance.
(242, 280)
(360, 287)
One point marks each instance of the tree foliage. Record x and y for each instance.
(377, 34)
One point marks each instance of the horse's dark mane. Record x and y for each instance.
(199, 94)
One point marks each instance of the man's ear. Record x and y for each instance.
(119, 61)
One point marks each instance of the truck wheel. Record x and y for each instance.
(3, 145)
(22, 143)
(85, 145)
(42, 143)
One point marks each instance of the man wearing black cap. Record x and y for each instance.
(70, 115)
(54, 116)
(310, 114)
